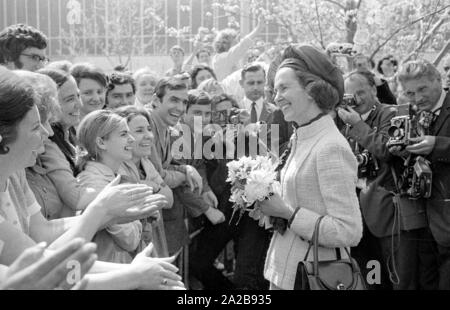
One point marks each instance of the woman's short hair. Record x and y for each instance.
(323, 93)
(130, 112)
(17, 98)
(63, 65)
(58, 76)
(196, 70)
(145, 71)
(89, 71)
(417, 69)
(215, 100)
(97, 124)
(47, 93)
(224, 40)
(120, 78)
(209, 85)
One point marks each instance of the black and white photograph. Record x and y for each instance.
(234, 147)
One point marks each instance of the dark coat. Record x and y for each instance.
(438, 206)
(376, 201)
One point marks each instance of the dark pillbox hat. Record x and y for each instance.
(310, 59)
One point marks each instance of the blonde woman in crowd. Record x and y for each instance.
(145, 80)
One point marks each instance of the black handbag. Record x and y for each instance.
(339, 274)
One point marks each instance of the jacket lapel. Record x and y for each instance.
(445, 113)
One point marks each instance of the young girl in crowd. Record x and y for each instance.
(104, 137)
(141, 170)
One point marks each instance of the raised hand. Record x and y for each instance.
(60, 269)
(122, 203)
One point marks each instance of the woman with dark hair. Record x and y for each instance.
(60, 155)
(22, 224)
(92, 82)
(320, 172)
(140, 169)
(199, 74)
(387, 67)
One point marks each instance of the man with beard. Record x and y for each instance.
(23, 47)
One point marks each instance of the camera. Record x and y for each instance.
(409, 123)
(341, 49)
(417, 178)
(368, 166)
(349, 100)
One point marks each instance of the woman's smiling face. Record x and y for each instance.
(70, 102)
(141, 131)
(29, 142)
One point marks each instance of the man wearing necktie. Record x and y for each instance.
(422, 85)
(253, 80)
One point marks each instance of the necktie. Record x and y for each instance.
(253, 115)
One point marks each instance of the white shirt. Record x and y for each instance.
(259, 106)
(226, 63)
(439, 104)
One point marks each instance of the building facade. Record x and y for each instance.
(98, 28)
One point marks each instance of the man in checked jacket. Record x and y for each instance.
(366, 129)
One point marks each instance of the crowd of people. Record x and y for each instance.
(105, 182)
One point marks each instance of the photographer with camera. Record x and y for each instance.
(422, 85)
(367, 124)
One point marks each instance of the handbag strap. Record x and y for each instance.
(315, 245)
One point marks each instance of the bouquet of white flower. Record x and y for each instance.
(252, 180)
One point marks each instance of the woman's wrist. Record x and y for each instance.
(98, 212)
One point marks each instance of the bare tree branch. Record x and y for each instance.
(441, 54)
(426, 38)
(336, 3)
(404, 26)
(320, 26)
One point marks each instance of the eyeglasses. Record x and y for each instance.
(37, 58)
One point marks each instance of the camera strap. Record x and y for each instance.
(393, 273)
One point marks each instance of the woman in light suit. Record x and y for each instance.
(319, 176)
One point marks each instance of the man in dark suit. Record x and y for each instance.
(366, 129)
(253, 80)
(422, 85)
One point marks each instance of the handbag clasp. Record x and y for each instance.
(340, 287)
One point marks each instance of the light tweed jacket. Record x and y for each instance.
(320, 177)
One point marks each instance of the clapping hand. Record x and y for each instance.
(127, 202)
(156, 273)
(63, 268)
